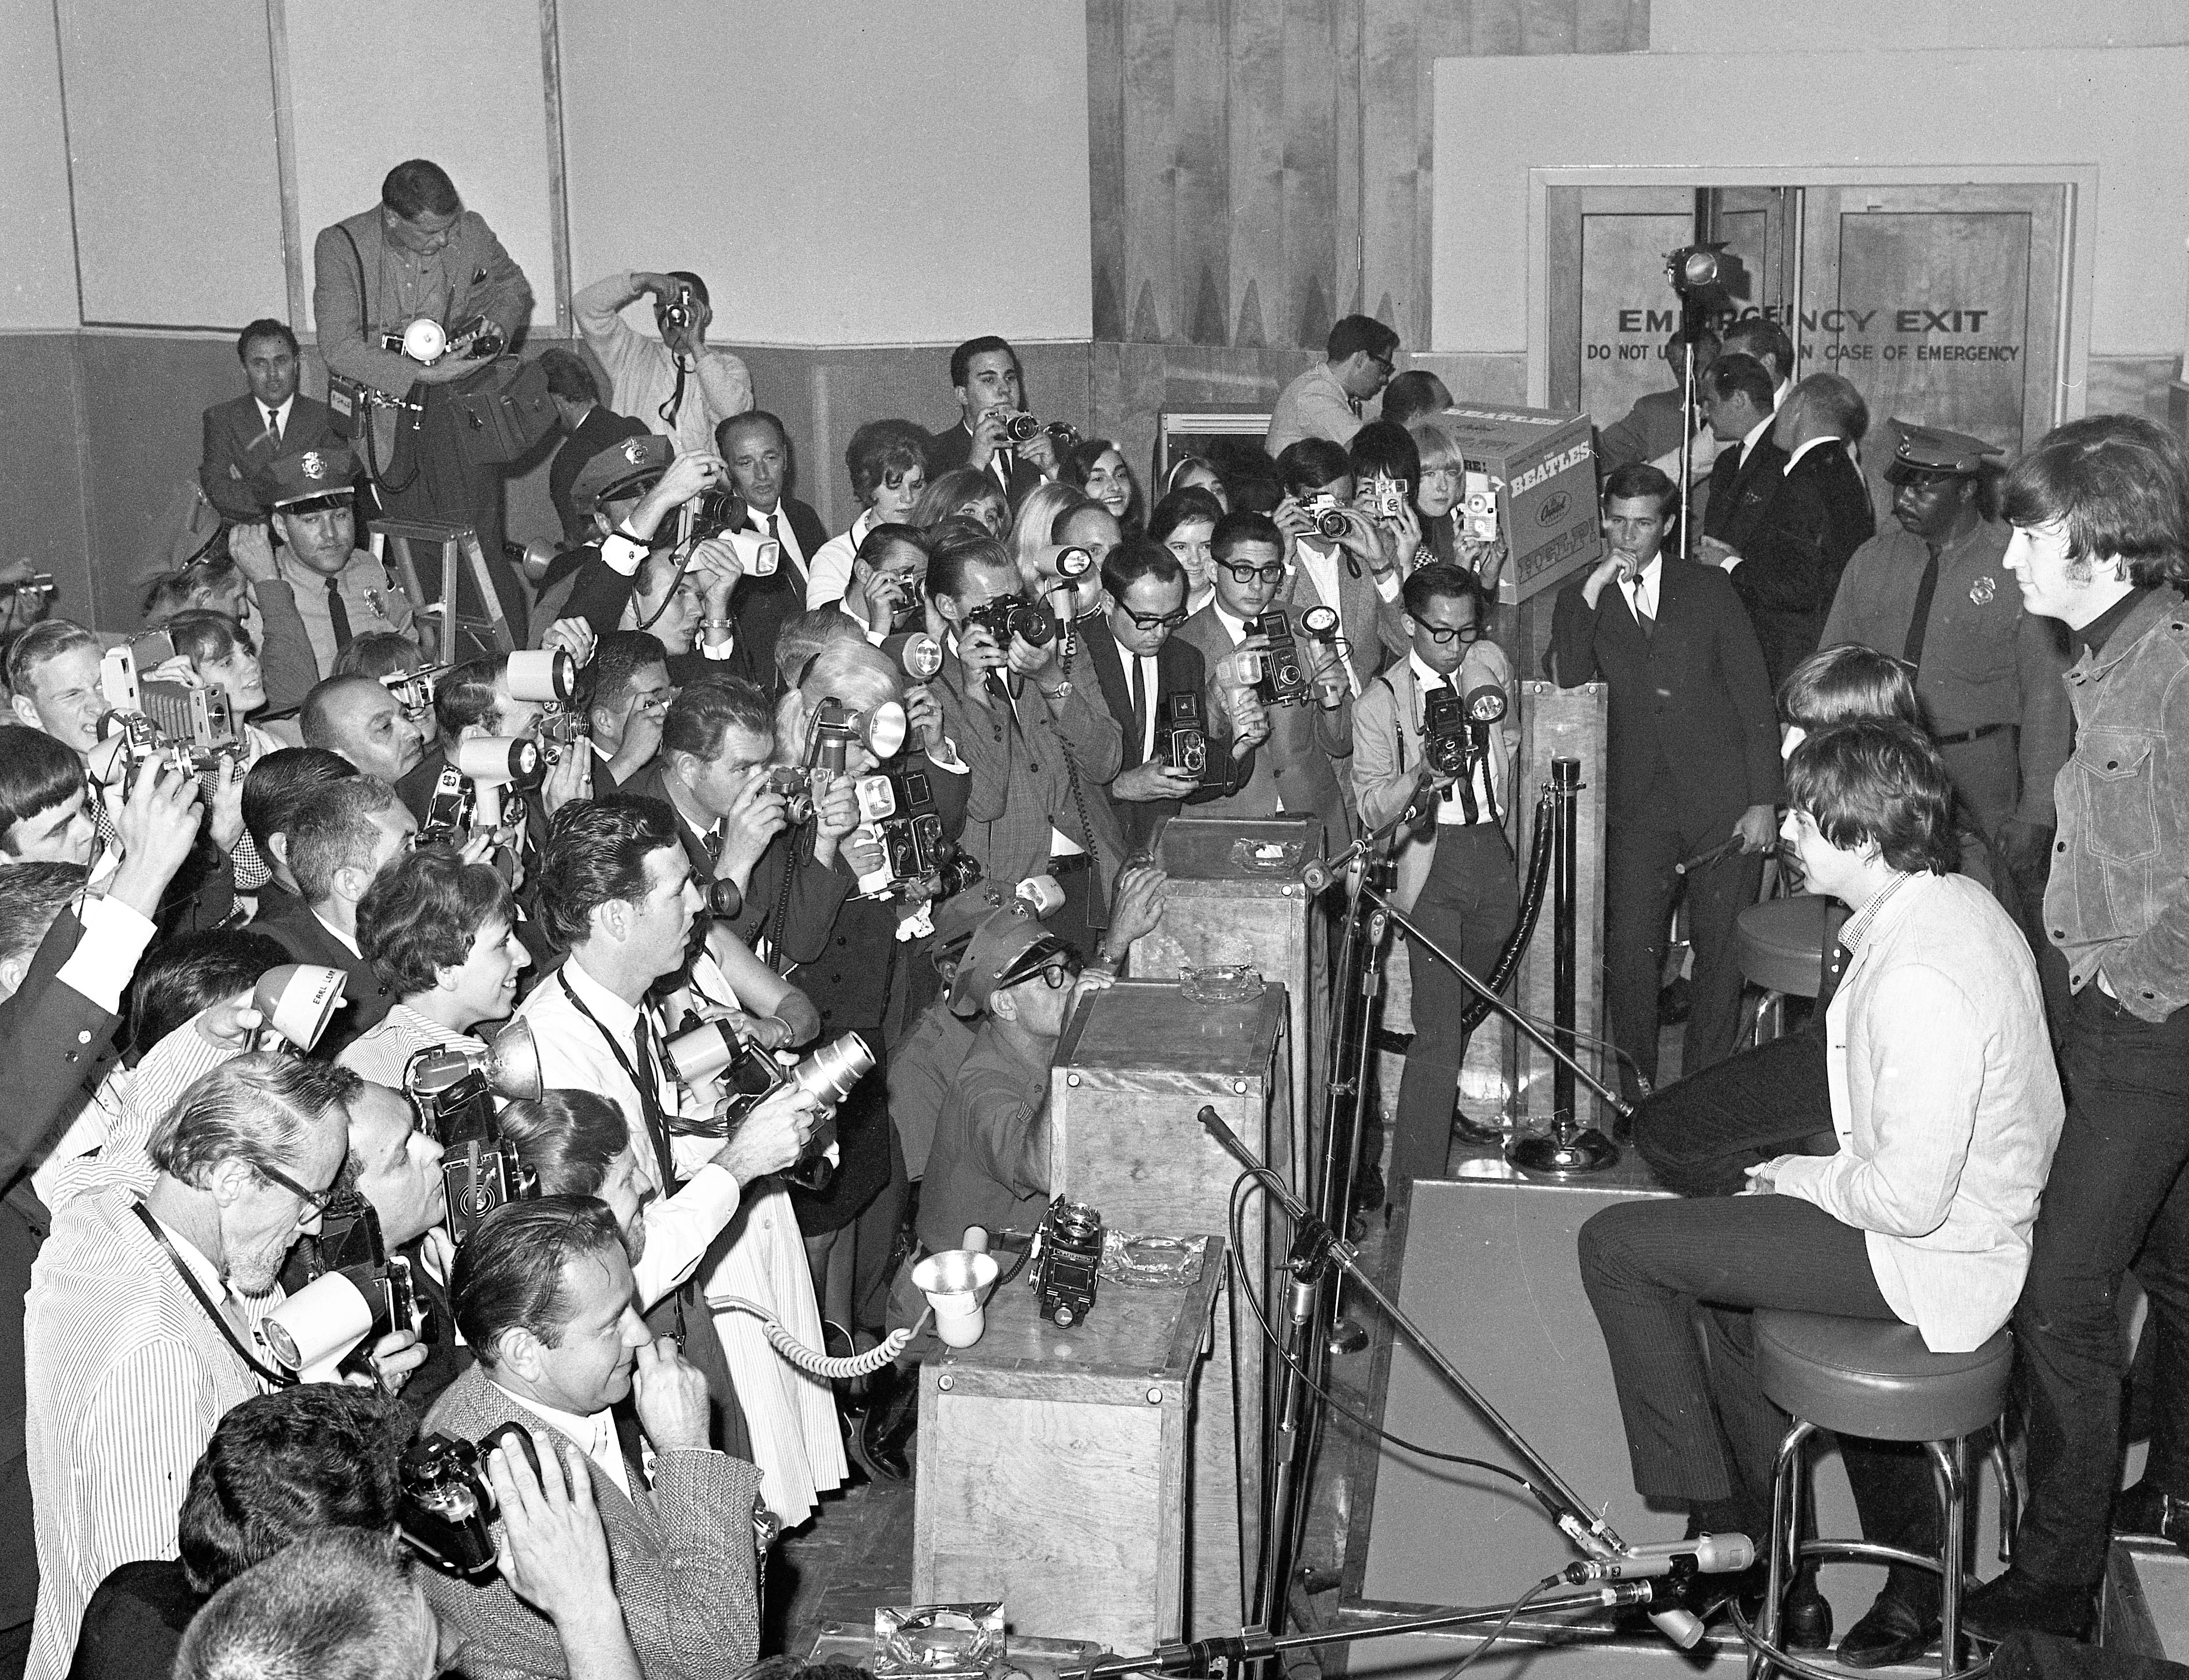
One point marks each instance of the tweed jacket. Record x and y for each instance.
(687, 1572)
(1019, 789)
(1386, 755)
(1946, 1105)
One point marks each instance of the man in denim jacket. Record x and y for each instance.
(2101, 515)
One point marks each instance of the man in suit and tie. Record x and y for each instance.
(419, 254)
(1418, 742)
(626, 693)
(756, 450)
(1656, 424)
(346, 834)
(243, 435)
(543, 1295)
(1297, 745)
(985, 374)
(1351, 571)
(1692, 763)
(589, 426)
(1145, 671)
(1786, 547)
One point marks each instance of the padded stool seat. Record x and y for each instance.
(1869, 1377)
(1779, 944)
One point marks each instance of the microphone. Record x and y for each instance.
(1708, 1554)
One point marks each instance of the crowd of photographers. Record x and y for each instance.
(447, 1075)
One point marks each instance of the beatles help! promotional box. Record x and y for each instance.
(1533, 473)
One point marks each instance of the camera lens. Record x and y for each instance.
(1330, 523)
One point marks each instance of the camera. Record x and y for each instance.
(834, 725)
(178, 714)
(38, 583)
(680, 311)
(794, 782)
(1455, 729)
(720, 515)
(454, 1087)
(1281, 677)
(724, 900)
(445, 1504)
(450, 810)
(1390, 497)
(1477, 507)
(360, 1292)
(548, 677)
(1327, 516)
(1010, 615)
(1067, 1251)
(1024, 429)
(897, 812)
(747, 1073)
(1181, 735)
(415, 691)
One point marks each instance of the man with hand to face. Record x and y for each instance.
(1694, 763)
(1353, 573)
(547, 1298)
(679, 385)
(757, 451)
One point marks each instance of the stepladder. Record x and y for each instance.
(464, 612)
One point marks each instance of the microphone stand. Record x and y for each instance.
(1225, 1654)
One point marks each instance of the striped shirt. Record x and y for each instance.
(126, 1377)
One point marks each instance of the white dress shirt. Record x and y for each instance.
(595, 1434)
(1451, 810)
(1641, 589)
(830, 574)
(1151, 691)
(277, 422)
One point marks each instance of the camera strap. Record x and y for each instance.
(656, 1118)
(279, 1380)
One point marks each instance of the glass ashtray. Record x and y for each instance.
(1220, 983)
(1143, 1262)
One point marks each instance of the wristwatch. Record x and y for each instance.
(1057, 693)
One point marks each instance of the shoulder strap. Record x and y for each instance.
(359, 255)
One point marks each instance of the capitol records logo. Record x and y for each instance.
(1553, 508)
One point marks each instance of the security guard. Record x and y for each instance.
(340, 590)
(1934, 591)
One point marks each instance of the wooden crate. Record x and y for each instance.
(1131, 1076)
(1234, 894)
(1053, 1464)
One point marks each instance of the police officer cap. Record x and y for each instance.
(1926, 452)
(1002, 941)
(309, 479)
(629, 466)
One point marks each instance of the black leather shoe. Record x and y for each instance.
(1889, 1632)
(883, 1441)
(1805, 1623)
(2017, 1603)
(1367, 1188)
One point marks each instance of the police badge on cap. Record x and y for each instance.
(314, 476)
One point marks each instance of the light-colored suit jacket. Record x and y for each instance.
(1386, 755)
(1947, 1108)
(683, 1552)
(1375, 628)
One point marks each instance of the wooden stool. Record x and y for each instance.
(1781, 945)
(1876, 1380)
(487, 630)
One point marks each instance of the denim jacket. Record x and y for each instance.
(2118, 898)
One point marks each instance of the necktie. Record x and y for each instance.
(649, 1102)
(1140, 705)
(1643, 615)
(1005, 462)
(337, 614)
(101, 819)
(1919, 626)
(274, 428)
(712, 840)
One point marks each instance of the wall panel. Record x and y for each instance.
(177, 192)
(38, 282)
(360, 108)
(839, 176)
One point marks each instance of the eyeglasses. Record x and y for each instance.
(1156, 620)
(1444, 635)
(1060, 972)
(1249, 573)
(315, 1201)
(1383, 362)
(1054, 961)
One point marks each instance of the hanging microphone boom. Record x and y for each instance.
(1707, 1553)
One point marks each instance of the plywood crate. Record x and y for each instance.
(1234, 895)
(1052, 1462)
(1132, 1074)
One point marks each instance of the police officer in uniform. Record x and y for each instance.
(1931, 589)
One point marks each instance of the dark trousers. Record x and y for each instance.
(441, 481)
(1700, 1134)
(1078, 921)
(1701, 1433)
(1468, 905)
(2116, 1196)
(1639, 881)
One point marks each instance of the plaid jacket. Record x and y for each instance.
(685, 1566)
